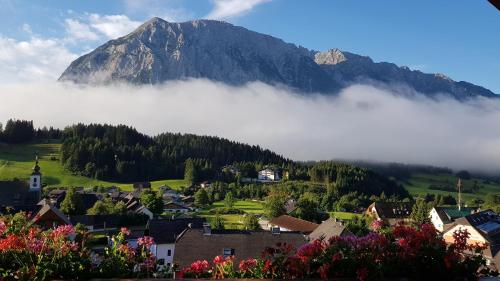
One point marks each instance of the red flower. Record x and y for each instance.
(247, 264)
(362, 274)
(323, 271)
(218, 259)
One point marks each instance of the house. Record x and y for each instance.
(56, 197)
(49, 216)
(43, 214)
(484, 229)
(328, 229)
(171, 195)
(288, 223)
(132, 202)
(204, 244)
(109, 223)
(165, 233)
(443, 217)
(268, 174)
(390, 212)
(173, 207)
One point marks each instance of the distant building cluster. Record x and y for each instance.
(183, 238)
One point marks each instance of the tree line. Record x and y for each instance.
(23, 131)
(121, 153)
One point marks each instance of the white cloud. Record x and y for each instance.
(36, 59)
(224, 9)
(113, 26)
(80, 31)
(95, 27)
(362, 122)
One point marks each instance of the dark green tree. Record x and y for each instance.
(307, 207)
(229, 200)
(420, 212)
(72, 203)
(152, 201)
(274, 205)
(251, 222)
(217, 222)
(201, 198)
(190, 173)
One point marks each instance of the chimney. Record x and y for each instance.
(206, 229)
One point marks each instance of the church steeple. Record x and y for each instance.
(36, 168)
(36, 178)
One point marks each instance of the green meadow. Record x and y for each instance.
(234, 221)
(16, 161)
(418, 185)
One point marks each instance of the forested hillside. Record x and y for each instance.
(121, 153)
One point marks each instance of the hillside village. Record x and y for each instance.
(183, 233)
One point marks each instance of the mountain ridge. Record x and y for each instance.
(159, 51)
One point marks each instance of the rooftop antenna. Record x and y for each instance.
(459, 186)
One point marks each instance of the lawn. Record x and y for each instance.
(234, 221)
(16, 161)
(418, 184)
(344, 215)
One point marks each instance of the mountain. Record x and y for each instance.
(159, 51)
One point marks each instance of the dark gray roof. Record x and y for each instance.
(111, 221)
(393, 210)
(329, 228)
(166, 231)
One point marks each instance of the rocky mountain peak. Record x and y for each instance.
(331, 57)
(159, 51)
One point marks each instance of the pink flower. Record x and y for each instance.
(125, 231)
(146, 241)
(63, 231)
(3, 227)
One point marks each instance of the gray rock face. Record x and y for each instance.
(159, 51)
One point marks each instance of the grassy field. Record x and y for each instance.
(418, 184)
(344, 215)
(234, 221)
(16, 161)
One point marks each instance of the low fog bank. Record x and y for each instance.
(362, 122)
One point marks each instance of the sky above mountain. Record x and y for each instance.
(39, 38)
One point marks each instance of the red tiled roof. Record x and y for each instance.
(294, 224)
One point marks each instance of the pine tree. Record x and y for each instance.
(201, 198)
(229, 200)
(420, 212)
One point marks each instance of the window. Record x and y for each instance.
(161, 262)
(169, 253)
(228, 252)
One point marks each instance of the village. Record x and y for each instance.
(181, 235)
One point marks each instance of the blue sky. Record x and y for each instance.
(459, 38)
